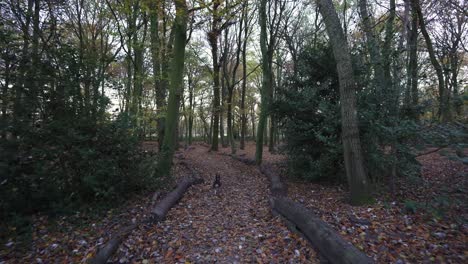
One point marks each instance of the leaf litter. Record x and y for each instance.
(234, 224)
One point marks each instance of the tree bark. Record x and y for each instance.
(138, 48)
(266, 79)
(190, 113)
(277, 188)
(354, 160)
(244, 77)
(213, 36)
(156, 60)
(413, 61)
(222, 110)
(444, 95)
(5, 88)
(34, 72)
(375, 55)
(166, 54)
(176, 88)
(231, 80)
(159, 213)
(330, 245)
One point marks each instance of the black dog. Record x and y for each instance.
(217, 181)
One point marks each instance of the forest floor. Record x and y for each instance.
(427, 222)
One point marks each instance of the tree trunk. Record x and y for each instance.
(387, 48)
(176, 88)
(221, 113)
(413, 61)
(444, 95)
(273, 127)
(190, 113)
(271, 137)
(454, 61)
(34, 72)
(159, 213)
(266, 79)
(138, 47)
(244, 78)
(329, 244)
(277, 188)
(166, 53)
(392, 93)
(231, 81)
(354, 160)
(155, 57)
(375, 56)
(252, 119)
(213, 36)
(5, 87)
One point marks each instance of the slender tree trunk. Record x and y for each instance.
(221, 113)
(130, 48)
(213, 36)
(231, 82)
(244, 77)
(271, 131)
(375, 56)
(166, 53)
(273, 127)
(210, 138)
(252, 119)
(176, 88)
(138, 46)
(454, 76)
(444, 95)
(387, 47)
(392, 93)
(190, 113)
(266, 79)
(354, 160)
(230, 121)
(5, 98)
(413, 62)
(35, 68)
(155, 57)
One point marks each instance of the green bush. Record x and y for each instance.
(64, 164)
(309, 112)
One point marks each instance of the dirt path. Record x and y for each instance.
(232, 225)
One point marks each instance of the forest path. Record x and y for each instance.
(232, 224)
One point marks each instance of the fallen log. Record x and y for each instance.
(329, 244)
(159, 212)
(105, 252)
(244, 160)
(277, 188)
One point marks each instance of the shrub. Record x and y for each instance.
(64, 164)
(309, 112)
